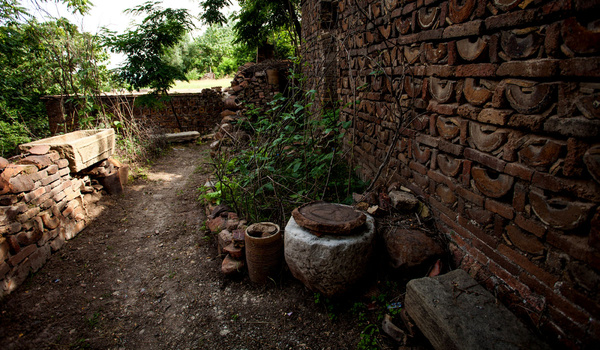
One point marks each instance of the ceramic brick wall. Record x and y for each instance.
(500, 104)
(41, 206)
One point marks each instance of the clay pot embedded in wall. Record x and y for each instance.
(264, 251)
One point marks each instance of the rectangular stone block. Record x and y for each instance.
(454, 312)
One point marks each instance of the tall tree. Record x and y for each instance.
(257, 19)
(146, 46)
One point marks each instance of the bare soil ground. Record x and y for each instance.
(144, 275)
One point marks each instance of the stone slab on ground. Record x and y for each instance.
(454, 312)
(186, 136)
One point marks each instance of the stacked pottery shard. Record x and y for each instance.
(328, 246)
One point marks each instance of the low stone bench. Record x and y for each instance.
(454, 312)
(187, 136)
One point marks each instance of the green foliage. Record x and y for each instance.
(146, 45)
(259, 19)
(295, 156)
(213, 52)
(93, 320)
(13, 134)
(38, 59)
(330, 305)
(212, 11)
(368, 338)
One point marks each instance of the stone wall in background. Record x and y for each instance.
(199, 111)
(496, 107)
(41, 206)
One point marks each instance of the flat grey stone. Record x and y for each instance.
(185, 136)
(454, 312)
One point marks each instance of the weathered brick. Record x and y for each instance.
(34, 194)
(442, 179)
(421, 169)
(52, 169)
(39, 175)
(50, 179)
(57, 243)
(519, 170)
(472, 28)
(476, 70)
(4, 249)
(580, 67)
(21, 183)
(575, 246)
(4, 270)
(579, 299)
(8, 200)
(442, 208)
(468, 111)
(525, 242)
(62, 163)
(451, 148)
(501, 209)
(511, 19)
(446, 195)
(485, 159)
(511, 280)
(54, 156)
(39, 257)
(19, 257)
(481, 216)
(589, 190)
(494, 116)
(28, 214)
(64, 172)
(531, 68)
(530, 225)
(420, 180)
(579, 127)
(478, 232)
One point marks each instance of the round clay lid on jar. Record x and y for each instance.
(328, 218)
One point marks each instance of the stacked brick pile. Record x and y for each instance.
(501, 137)
(41, 206)
(257, 83)
(230, 231)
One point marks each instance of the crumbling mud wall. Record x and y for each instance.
(195, 111)
(489, 110)
(41, 206)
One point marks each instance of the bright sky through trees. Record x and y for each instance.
(109, 14)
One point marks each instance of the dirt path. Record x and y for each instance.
(145, 276)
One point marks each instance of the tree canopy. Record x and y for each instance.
(257, 19)
(146, 45)
(38, 59)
